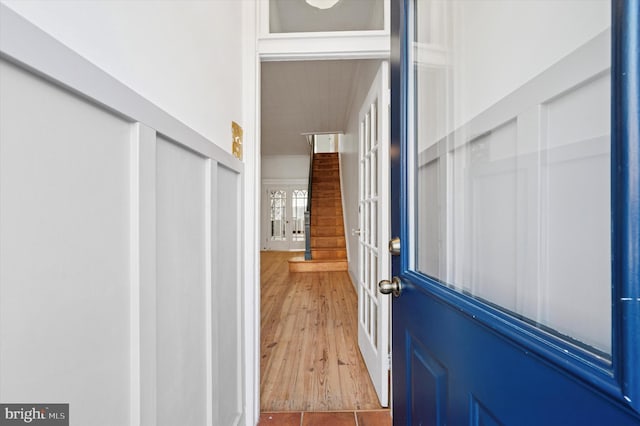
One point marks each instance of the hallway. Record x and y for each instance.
(309, 352)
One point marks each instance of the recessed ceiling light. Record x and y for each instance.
(322, 4)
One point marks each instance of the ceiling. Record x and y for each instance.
(310, 96)
(287, 16)
(301, 97)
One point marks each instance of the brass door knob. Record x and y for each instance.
(390, 287)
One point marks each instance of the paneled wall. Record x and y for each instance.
(120, 248)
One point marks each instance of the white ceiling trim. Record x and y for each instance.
(355, 46)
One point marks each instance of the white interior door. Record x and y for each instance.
(373, 259)
(284, 219)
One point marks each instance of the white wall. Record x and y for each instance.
(285, 167)
(348, 149)
(184, 56)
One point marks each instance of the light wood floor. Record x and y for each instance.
(309, 343)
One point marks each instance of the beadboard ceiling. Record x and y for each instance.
(300, 97)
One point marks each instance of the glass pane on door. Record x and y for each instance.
(278, 215)
(511, 133)
(299, 205)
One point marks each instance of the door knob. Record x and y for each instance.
(394, 246)
(390, 287)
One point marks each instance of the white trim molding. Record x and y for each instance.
(325, 46)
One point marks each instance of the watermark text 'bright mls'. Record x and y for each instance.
(34, 414)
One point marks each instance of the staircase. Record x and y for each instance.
(328, 250)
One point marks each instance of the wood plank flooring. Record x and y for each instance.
(309, 357)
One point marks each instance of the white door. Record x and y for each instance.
(284, 219)
(373, 259)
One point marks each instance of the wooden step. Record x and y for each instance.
(327, 231)
(325, 177)
(326, 211)
(326, 222)
(321, 253)
(324, 192)
(328, 242)
(326, 202)
(325, 188)
(325, 184)
(300, 265)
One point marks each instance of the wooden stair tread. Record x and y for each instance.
(301, 259)
(299, 264)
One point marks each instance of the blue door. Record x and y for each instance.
(515, 194)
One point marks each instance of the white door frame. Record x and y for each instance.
(256, 51)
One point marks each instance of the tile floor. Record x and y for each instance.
(332, 418)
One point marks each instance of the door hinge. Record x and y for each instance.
(389, 361)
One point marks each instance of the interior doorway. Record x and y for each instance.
(310, 360)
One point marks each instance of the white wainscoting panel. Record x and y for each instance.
(227, 301)
(64, 251)
(182, 280)
(120, 248)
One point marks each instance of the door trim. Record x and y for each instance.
(625, 197)
(253, 190)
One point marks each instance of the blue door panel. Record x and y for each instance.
(481, 376)
(480, 415)
(428, 384)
